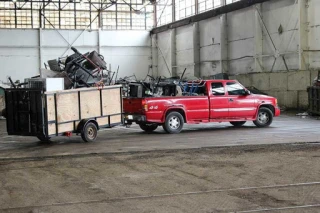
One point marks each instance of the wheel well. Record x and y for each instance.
(84, 122)
(95, 123)
(181, 111)
(269, 106)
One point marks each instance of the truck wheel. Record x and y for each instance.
(89, 132)
(264, 117)
(237, 123)
(43, 138)
(174, 123)
(148, 127)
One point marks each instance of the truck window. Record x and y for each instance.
(217, 89)
(235, 88)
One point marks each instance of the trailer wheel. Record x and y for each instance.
(148, 127)
(174, 123)
(237, 123)
(264, 117)
(89, 132)
(43, 138)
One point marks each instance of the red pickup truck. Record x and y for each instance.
(202, 102)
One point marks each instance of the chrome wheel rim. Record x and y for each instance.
(263, 117)
(174, 122)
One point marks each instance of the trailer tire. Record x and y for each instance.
(174, 123)
(237, 123)
(264, 117)
(43, 138)
(148, 127)
(89, 132)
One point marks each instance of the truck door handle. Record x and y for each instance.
(230, 100)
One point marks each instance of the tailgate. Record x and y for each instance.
(133, 105)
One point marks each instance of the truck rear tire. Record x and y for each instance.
(89, 132)
(174, 123)
(264, 117)
(148, 127)
(237, 123)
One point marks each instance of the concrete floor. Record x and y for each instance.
(284, 129)
(206, 168)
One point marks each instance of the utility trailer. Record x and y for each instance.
(34, 112)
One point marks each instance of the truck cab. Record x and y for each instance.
(202, 102)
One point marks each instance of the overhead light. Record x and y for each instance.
(14, 1)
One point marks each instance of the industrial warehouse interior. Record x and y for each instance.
(160, 106)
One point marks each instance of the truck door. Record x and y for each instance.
(219, 102)
(241, 105)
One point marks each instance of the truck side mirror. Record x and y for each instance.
(247, 92)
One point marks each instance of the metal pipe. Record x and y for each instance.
(311, 50)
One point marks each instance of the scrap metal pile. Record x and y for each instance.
(81, 70)
(90, 70)
(156, 87)
(316, 81)
(314, 96)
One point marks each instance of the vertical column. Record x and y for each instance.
(155, 15)
(303, 34)
(99, 40)
(196, 2)
(173, 10)
(258, 39)
(154, 54)
(173, 54)
(224, 64)
(40, 49)
(196, 49)
(224, 44)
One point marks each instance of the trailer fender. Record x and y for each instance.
(84, 122)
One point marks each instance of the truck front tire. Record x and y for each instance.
(174, 123)
(148, 127)
(264, 117)
(89, 132)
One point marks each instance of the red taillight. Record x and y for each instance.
(144, 105)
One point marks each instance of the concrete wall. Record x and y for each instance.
(274, 46)
(23, 52)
